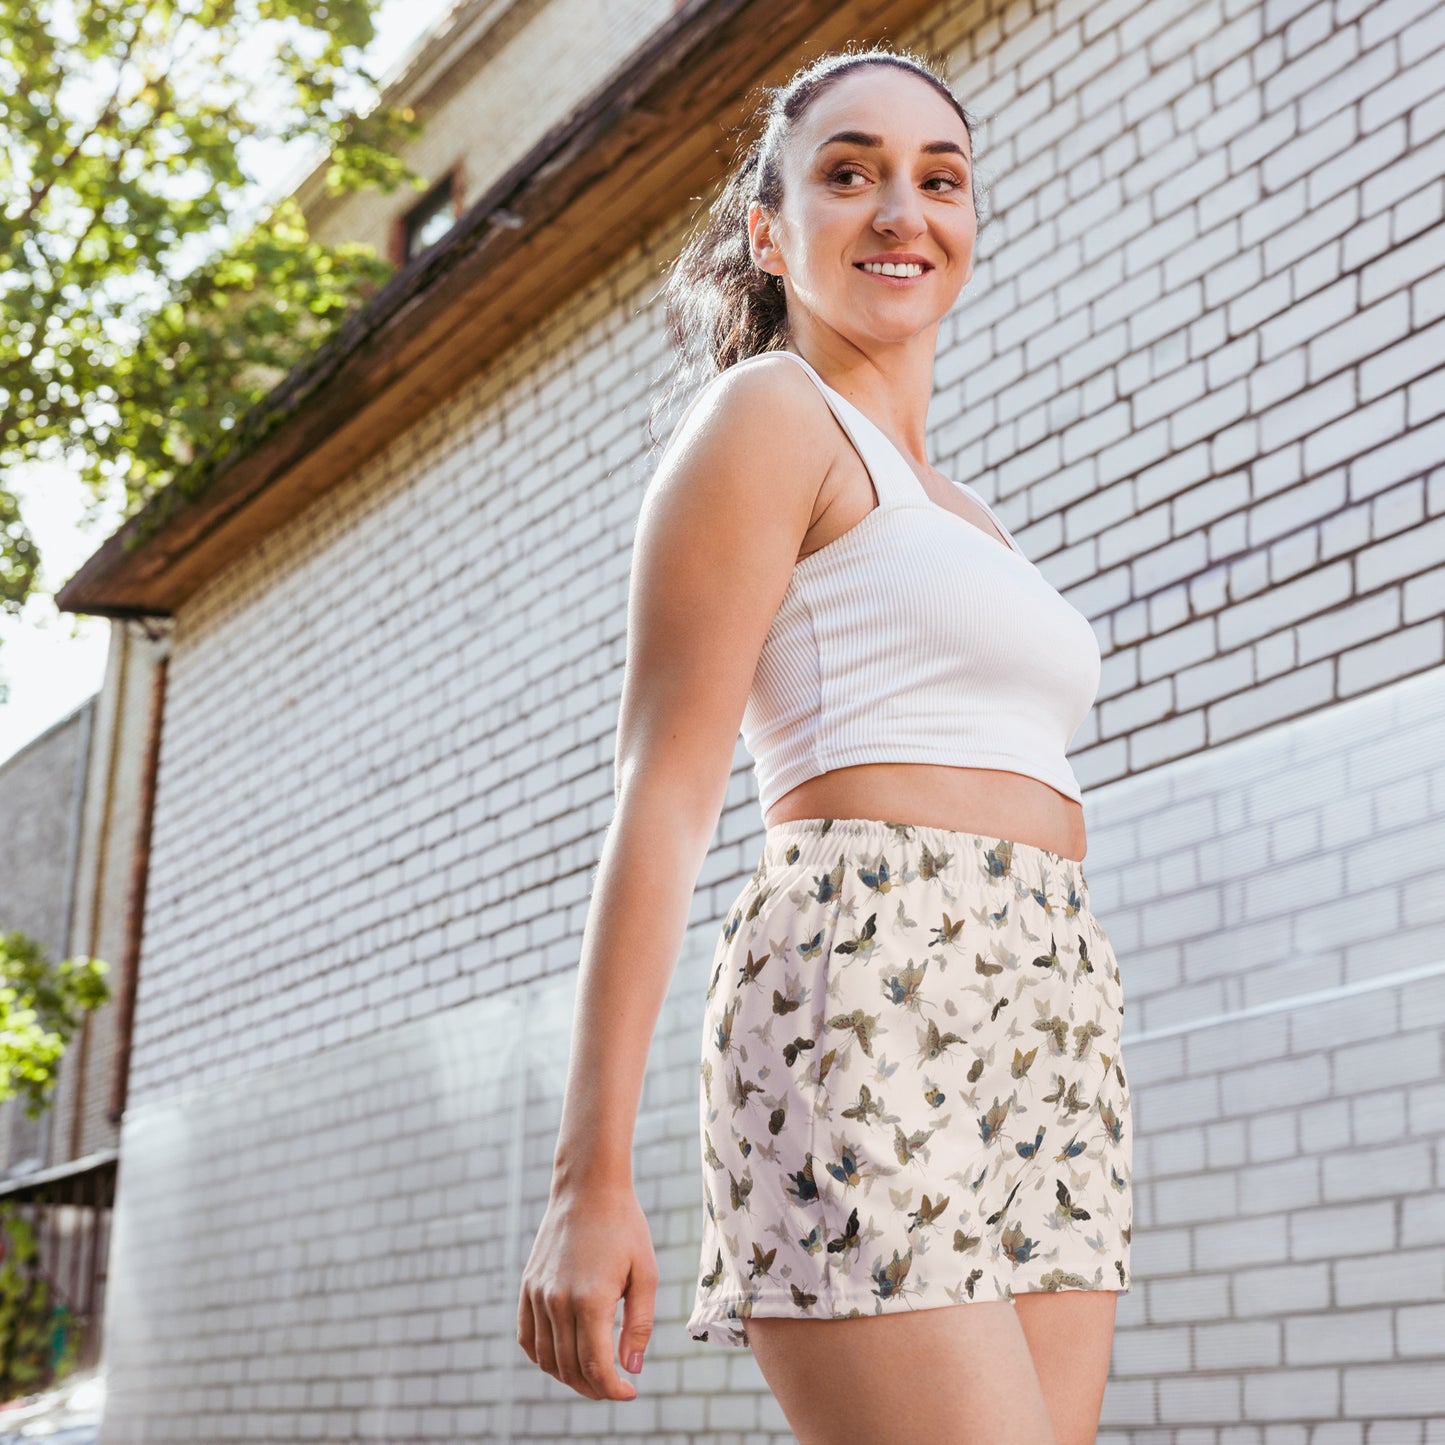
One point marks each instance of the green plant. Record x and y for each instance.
(41, 1006)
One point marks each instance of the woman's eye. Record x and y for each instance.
(841, 171)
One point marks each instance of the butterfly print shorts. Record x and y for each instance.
(912, 1087)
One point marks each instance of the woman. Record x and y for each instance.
(912, 1093)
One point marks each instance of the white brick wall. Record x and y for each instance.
(1195, 372)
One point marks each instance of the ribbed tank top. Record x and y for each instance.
(915, 637)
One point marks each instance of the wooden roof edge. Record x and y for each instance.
(683, 36)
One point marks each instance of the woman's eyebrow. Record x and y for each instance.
(863, 138)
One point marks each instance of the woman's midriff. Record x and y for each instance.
(986, 801)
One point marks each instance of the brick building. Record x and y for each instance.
(1198, 371)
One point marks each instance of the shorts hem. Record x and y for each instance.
(724, 1329)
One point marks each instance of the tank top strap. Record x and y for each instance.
(894, 480)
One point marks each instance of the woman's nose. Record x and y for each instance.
(900, 211)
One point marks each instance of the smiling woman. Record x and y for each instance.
(913, 1112)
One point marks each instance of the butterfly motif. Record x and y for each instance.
(753, 967)
(964, 1242)
(785, 1004)
(802, 1186)
(1058, 1031)
(860, 1025)
(741, 1090)
(903, 987)
(1017, 1245)
(907, 1146)
(994, 1011)
(1025, 1149)
(862, 942)
(845, 1171)
(738, 1191)
(1057, 1279)
(1084, 964)
(933, 1043)
(827, 886)
(775, 1120)
(730, 928)
(812, 1242)
(849, 1237)
(709, 1154)
(756, 906)
(1021, 1061)
(710, 1279)
(865, 1108)
(792, 1050)
(792, 854)
(724, 1035)
(931, 864)
(932, 1093)
(877, 879)
(904, 921)
(1049, 960)
(1117, 1180)
(1113, 1124)
(1067, 1208)
(1071, 1150)
(1083, 1034)
(801, 1299)
(947, 931)
(888, 1278)
(1003, 1209)
(981, 965)
(823, 1066)
(998, 860)
(991, 1121)
(927, 1213)
(966, 1288)
(762, 1263)
(813, 947)
(1073, 902)
(716, 974)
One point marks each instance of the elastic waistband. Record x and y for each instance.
(816, 842)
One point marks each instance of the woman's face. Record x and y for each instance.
(900, 184)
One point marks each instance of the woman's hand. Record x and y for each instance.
(593, 1248)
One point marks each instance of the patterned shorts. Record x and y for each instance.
(912, 1090)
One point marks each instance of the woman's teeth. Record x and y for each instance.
(892, 268)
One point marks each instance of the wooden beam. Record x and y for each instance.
(598, 183)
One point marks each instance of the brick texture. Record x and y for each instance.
(1198, 372)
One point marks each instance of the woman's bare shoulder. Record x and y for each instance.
(767, 401)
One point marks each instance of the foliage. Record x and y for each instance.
(143, 313)
(30, 1315)
(40, 1008)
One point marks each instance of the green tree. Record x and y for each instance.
(41, 1005)
(143, 309)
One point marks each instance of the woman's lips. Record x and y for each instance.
(900, 281)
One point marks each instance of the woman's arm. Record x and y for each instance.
(718, 534)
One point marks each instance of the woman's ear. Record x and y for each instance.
(766, 256)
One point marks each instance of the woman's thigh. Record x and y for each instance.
(1071, 1335)
(949, 1375)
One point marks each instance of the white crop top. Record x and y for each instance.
(916, 637)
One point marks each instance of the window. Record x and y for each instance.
(429, 220)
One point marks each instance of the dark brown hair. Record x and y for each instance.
(719, 307)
